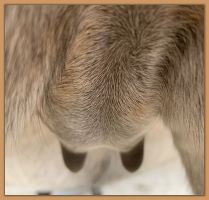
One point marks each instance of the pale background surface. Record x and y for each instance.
(36, 165)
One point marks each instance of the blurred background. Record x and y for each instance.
(34, 165)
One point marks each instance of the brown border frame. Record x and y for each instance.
(4, 2)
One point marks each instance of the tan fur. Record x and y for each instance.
(99, 75)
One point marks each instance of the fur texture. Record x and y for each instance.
(98, 75)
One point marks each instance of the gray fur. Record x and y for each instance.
(97, 75)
